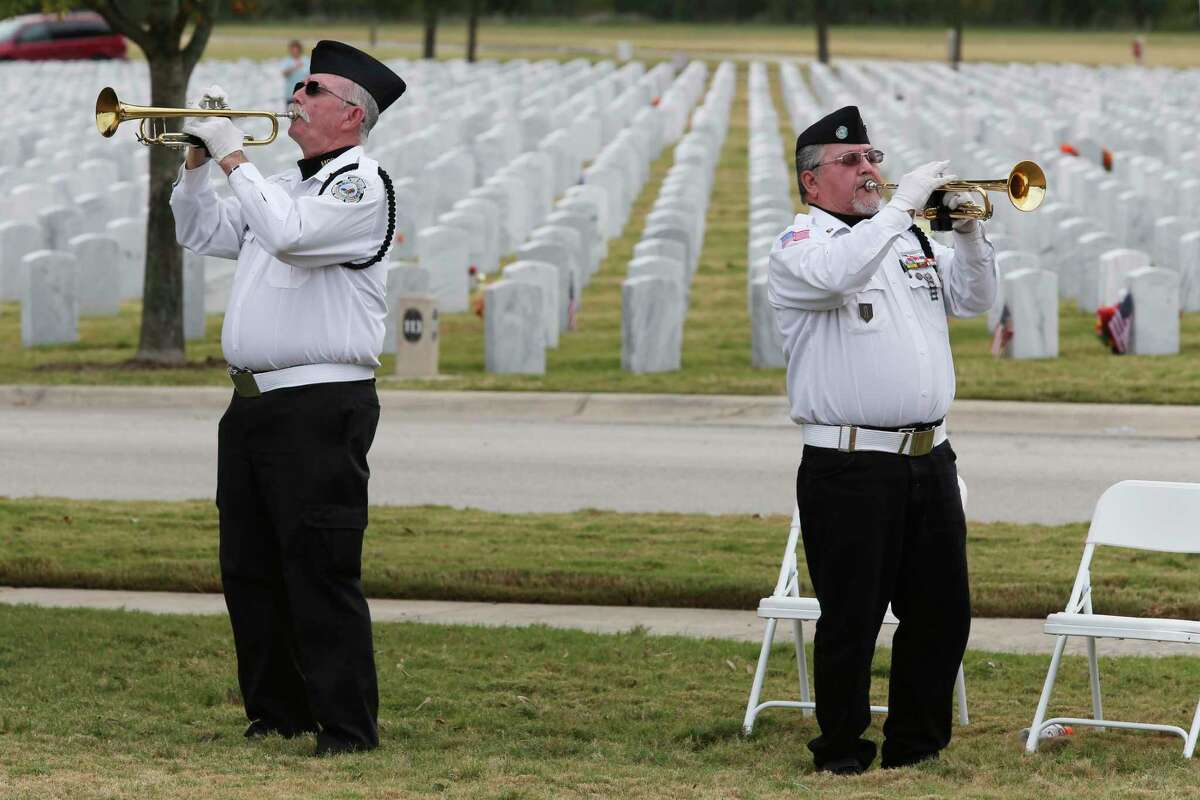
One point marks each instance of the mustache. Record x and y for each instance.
(298, 112)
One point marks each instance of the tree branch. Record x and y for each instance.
(120, 23)
(200, 33)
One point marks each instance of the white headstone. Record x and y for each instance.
(545, 277)
(60, 225)
(99, 278)
(444, 252)
(1114, 266)
(130, 233)
(513, 329)
(1155, 311)
(97, 210)
(651, 325)
(49, 299)
(547, 251)
(193, 295)
(17, 239)
(766, 342)
(1165, 250)
(1189, 275)
(1007, 262)
(1032, 299)
(1087, 252)
(661, 267)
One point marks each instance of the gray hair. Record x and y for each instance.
(363, 99)
(807, 158)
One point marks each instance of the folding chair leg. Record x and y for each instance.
(1094, 680)
(1039, 716)
(759, 674)
(801, 663)
(1189, 748)
(960, 692)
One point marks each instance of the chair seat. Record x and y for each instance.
(806, 608)
(1103, 625)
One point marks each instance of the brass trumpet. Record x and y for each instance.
(1025, 187)
(111, 112)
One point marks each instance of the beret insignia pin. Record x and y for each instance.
(842, 132)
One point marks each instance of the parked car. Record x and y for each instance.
(38, 37)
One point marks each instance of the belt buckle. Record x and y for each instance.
(917, 443)
(244, 383)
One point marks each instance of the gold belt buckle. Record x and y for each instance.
(922, 442)
(244, 383)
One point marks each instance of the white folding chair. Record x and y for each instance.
(1145, 515)
(785, 602)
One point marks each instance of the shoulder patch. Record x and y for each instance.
(350, 189)
(791, 237)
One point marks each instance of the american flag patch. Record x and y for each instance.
(791, 237)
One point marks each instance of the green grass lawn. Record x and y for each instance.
(716, 346)
(117, 705)
(588, 557)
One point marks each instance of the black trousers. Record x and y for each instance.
(292, 493)
(882, 528)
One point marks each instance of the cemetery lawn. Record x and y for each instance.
(716, 347)
(587, 557)
(105, 704)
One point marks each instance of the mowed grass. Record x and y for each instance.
(115, 705)
(568, 39)
(587, 557)
(716, 345)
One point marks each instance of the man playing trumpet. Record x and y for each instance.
(303, 333)
(862, 298)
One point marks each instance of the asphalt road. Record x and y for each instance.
(1022, 462)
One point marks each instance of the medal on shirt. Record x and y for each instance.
(921, 267)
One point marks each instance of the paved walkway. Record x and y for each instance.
(524, 452)
(994, 635)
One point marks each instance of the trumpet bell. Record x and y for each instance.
(1026, 186)
(108, 112)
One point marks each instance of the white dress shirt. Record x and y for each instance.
(866, 339)
(292, 303)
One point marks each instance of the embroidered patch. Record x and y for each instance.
(350, 189)
(791, 237)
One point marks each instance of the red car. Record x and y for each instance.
(37, 37)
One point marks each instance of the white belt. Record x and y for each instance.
(306, 374)
(848, 439)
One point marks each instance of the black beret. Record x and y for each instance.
(337, 58)
(843, 126)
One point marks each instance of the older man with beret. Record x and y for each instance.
(862, 298)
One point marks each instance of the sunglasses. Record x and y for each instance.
(853, 158)
(313, 88)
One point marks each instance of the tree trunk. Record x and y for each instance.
(956, 44)
(472, 28)
(431, 20)
(821, 20)
(161, 339)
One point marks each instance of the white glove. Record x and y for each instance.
(914, 189)
(953, 201)
(219, 135)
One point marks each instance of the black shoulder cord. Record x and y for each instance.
(391, 229)
(926, 248)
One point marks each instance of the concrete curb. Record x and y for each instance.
(967, 416)
(988, 635)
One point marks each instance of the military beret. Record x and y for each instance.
(843, 126)
(337, 58)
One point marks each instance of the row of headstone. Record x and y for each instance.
(770, 206)
(655, 293)
(541, 293)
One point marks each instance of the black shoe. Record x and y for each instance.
(328, 745)
(260, 728)
(843, 766)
